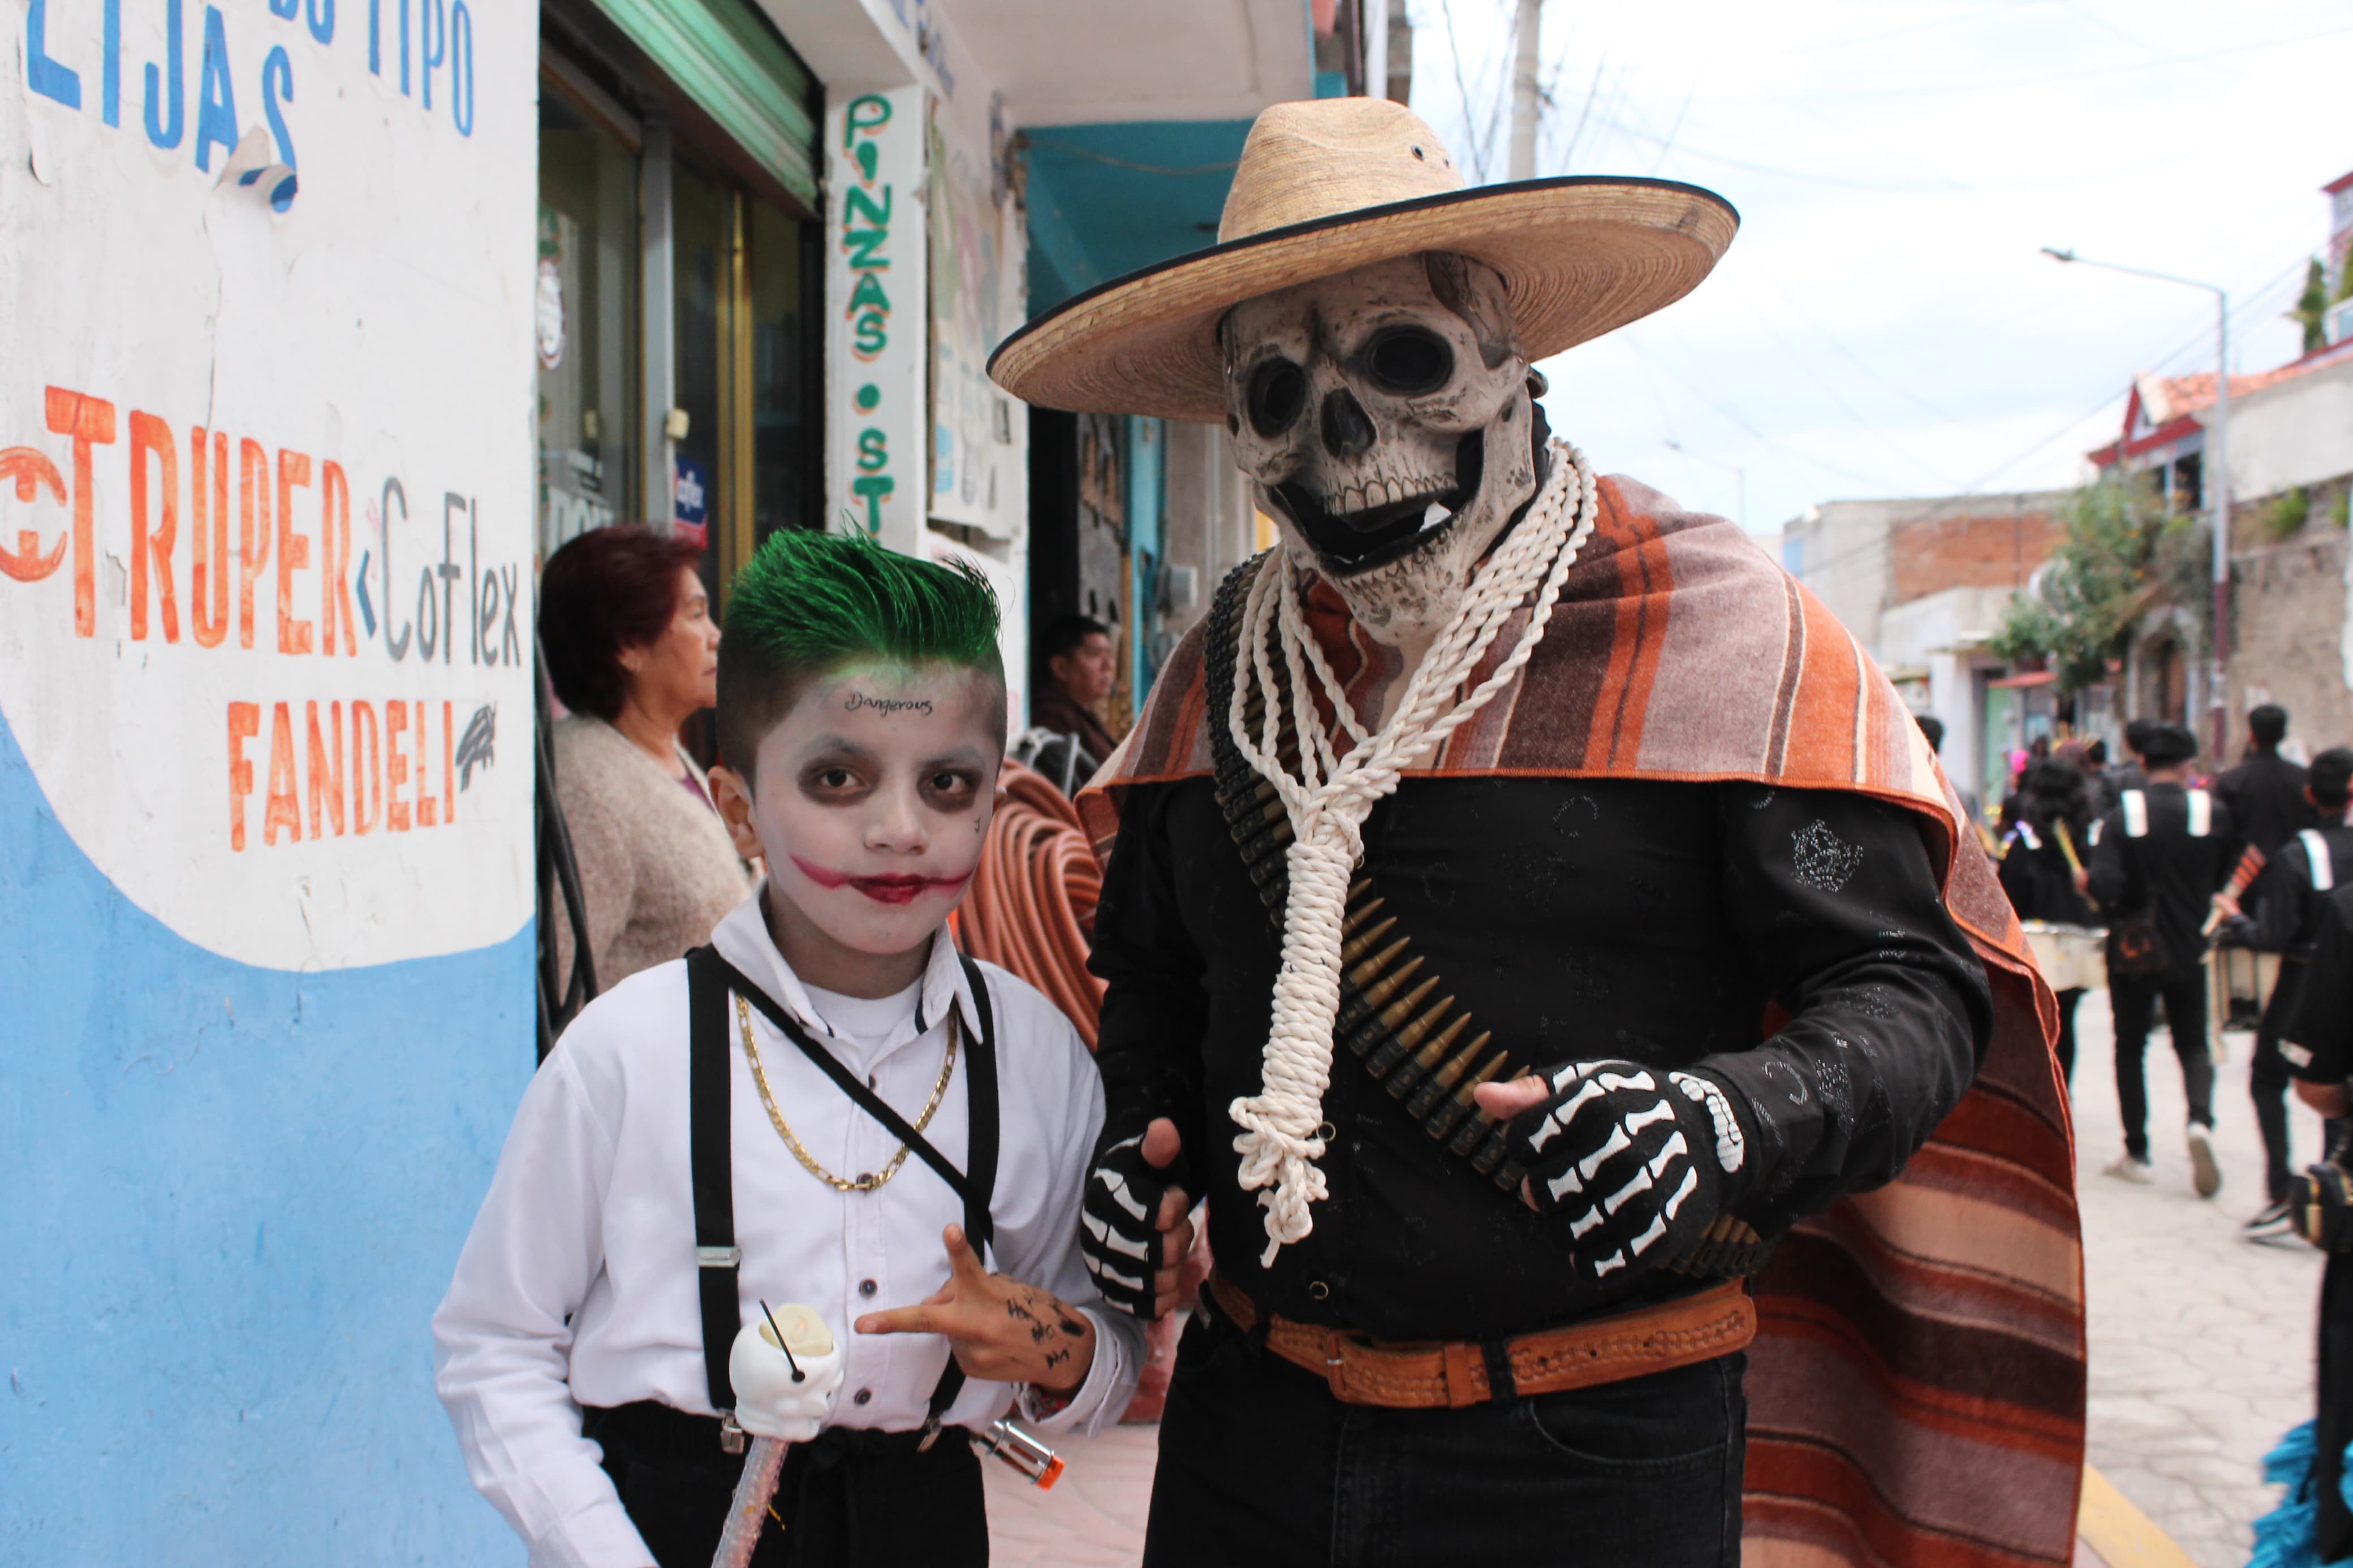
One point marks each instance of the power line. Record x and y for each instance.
(1977, 489)
(1463, 88)
(2199, 59)
(1976, 16)
(1851, 357)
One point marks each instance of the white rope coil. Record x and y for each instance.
(1331, 795)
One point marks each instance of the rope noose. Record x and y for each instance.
(1331, 795)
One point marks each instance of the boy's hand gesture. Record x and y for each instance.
(999, 1328)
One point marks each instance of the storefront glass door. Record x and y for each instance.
(586, 325)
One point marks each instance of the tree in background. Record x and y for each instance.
(2119, 557)
(2311, 310)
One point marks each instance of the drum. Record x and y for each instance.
(2242, 982)
(2072, 958)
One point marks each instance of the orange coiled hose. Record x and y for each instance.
(1031, 905)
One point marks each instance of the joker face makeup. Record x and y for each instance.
(1385, 414)
(872, 799)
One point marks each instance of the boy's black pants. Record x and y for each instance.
(2268, 1074)
(861, 1499)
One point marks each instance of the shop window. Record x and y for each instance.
(701, 267)
(784, 457)
(586, 325)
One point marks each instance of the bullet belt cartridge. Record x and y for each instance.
(1430, 1058)
(1396, 1039)
(1437, 1108)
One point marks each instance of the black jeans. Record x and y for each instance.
(2135, 998)
(2267, 1076)
(2065, 1045)
(1259, 1464)
(850, 1498)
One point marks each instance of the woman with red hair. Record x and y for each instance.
(633, 651)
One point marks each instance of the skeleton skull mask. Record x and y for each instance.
(1386, 413)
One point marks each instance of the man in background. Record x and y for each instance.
(1934, 728)
(2157, 860)
(2265, 791)
(2126, 773)
(2322, 1032)
(1076, 668)
(2286, 901)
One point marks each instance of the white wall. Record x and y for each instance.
(2297, 432)
(1941, 633)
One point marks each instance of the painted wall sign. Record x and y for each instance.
(265, 480)
(877, 419)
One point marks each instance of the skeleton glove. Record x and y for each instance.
(1632, 1162)
(1119, 1220)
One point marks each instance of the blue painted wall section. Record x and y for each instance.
(1106, 200)
(1147, 446)
(234, 1196)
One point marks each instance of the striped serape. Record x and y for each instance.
(1916, 1387)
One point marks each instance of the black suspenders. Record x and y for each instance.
(710, 979)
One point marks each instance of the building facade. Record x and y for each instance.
(329, 323)
(1922, 583)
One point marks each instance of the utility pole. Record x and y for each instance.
(2215, 472)
(1526, 102)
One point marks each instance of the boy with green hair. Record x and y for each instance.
(828, 1106)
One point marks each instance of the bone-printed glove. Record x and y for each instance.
(1631, 1160)
(1123, 1241)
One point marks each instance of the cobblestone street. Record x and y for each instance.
(2201, 1342)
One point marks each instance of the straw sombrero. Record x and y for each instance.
(1339, 183)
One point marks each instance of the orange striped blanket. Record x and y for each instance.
(1916, 1387)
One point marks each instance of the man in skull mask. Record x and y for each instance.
(1631, 892)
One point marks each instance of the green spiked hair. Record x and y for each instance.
(808, 603)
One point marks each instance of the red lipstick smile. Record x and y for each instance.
(892, 890)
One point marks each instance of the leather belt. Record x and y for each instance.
(1429, 1375)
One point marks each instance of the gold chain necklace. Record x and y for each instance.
(872, 1179)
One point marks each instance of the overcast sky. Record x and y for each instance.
(1884, 324)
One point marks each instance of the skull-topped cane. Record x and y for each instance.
(786, 1371)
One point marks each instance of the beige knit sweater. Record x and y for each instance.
(657, 868)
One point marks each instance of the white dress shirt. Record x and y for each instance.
(577, 1285)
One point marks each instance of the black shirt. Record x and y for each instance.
(2323, 1024)
(2035, 874)
(1576, 919)
(2265, 795)
(2169, 873)
(2288, 897)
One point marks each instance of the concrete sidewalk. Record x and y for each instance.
(2202, 1341)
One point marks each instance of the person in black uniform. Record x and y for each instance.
(2287, 899)
(2055, 798)
(2321, 1031)
(2265, 791)
(2157, 862)
(2128, 773)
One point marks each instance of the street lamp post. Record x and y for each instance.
(2217, 476)
(1739, 476)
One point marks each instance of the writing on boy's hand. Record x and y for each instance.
(1000, 1329)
